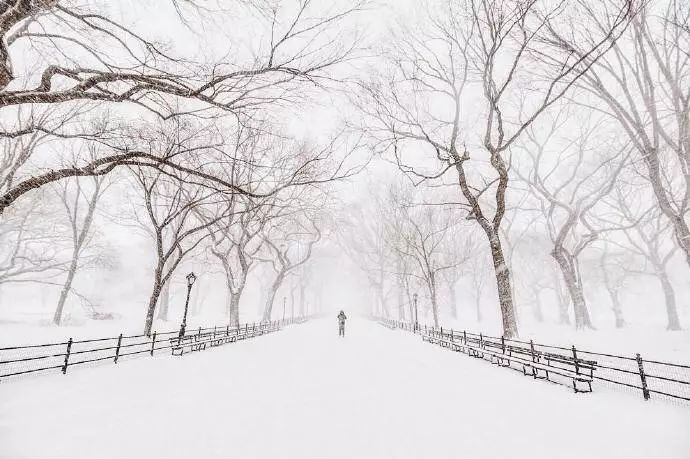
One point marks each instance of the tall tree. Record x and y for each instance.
(78, 198)
(568, 186)
(487, 47)
(644, 85)
(291, 247)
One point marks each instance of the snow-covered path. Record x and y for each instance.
(305, 393)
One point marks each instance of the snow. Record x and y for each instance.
(305, 393)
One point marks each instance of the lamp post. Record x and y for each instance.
(190, 281)
(416, 322)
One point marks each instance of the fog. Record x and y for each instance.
(520, 172)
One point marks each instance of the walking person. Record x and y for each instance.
(341, 323)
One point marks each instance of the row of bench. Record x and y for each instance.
(199, 341)
(389, 325)
(536, 363)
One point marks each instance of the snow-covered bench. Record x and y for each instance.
(540, 365)
(199, 341)
(192, 343)
(390, 325)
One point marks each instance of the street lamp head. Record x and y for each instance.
(191, 277)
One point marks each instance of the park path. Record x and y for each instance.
(305, 393)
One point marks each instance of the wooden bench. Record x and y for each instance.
(579, 370)
(189, 342)
(198, 341)
(538, 364)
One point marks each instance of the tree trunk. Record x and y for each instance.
(232, 301)
(574, 285)
(268, 310)
(618, 313)
(78, 239)
(431, 285)
(234, 307)
(680, 226)
(670, 297)
(613, 294)
(503, 284)
(434, 306)
(57, 317)
(153, 301)
(164, 308)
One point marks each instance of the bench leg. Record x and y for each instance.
(502, 361)
(535, 373)
(577, 390)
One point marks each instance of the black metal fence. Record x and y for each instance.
(649, 378)
(53, 357)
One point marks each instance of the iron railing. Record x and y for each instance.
(53, 357)
(649, 378)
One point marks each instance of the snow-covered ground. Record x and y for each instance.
(305, 393)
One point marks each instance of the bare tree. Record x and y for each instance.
(490, 46)
(425, 236)
(615, 275)
(31, 248)
(643, 85)
(170, 205)
(363, 237)
(291, 246)
(301, 50)
(75, 200)
(568, 186)
(647, 236)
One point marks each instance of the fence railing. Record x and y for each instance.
(649, 378)
(53, 357)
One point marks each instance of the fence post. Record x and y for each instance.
(481, 341)
(199, 331)
(464, 336)
(69, 350)
(117, 349)
(214, 332)
(452, 338)
(153, 343)
(503, 344)
(531, 350)
(577, 365)
(643, 378)
(227, 330)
